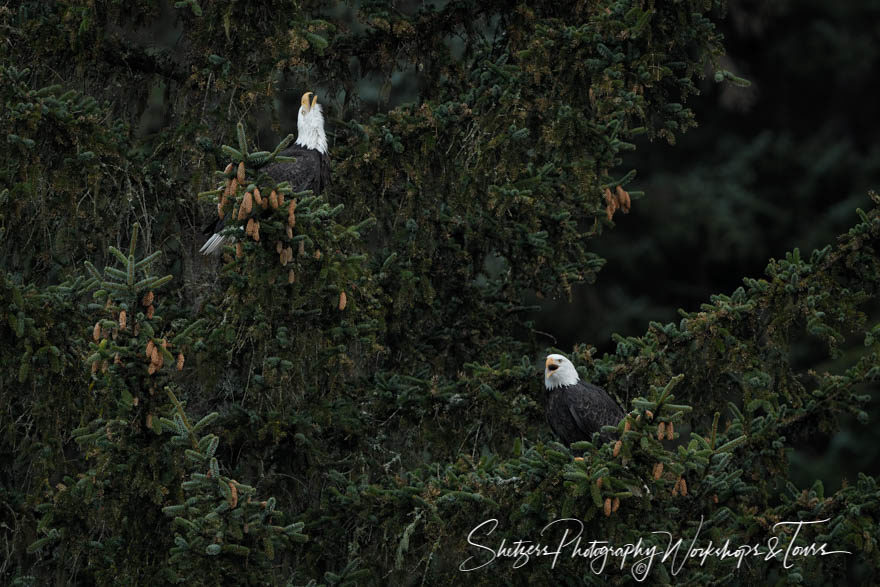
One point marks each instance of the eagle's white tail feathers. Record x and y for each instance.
(217, 240)
(213, 244)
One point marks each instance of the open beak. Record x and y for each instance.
(551, 365)
(308, 101)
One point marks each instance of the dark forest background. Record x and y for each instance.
(342, 401)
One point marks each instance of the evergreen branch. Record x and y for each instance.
(181, 413)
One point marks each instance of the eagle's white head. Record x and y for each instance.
(310, 124)
(559, 372)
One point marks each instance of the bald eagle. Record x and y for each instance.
(309, 171)
(576, 409)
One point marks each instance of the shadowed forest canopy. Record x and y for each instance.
(355, 384)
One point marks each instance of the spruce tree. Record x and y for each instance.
(355, 386)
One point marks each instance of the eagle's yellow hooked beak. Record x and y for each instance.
(551, 365)
(308, 101)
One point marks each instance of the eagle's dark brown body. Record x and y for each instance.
(309, 171)
(575, 412)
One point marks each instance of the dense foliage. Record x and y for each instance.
(355, 385)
